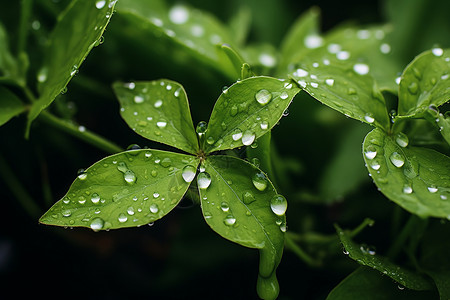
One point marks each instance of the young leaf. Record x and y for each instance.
(433, 115)
(247, 110)
(10, 105)
(241, 204)
(368, 284)
(345, 86)
(159, 111)
(425, 82)
(78, 30)
(194, 32)
(127, 189)
(8, 64)
(416, 178)
(367, 257)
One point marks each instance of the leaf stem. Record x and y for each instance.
(25, 13)
(18, 190)
(291, 245)
(401, 238)
(85, 135)
(364, 224)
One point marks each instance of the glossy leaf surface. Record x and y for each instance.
(10, 105)
(127, 189)
(159, 111)
(78, 30)
(416, 178)
(247, 110)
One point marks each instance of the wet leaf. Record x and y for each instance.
(236, 203)
(424, 82)
(366, 257)
(416, 178)
(10, 105)
(159, 111)
(78, 30)
(247, 110)
(127, 189)
(441, 121)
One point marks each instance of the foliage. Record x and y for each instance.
(240, 167)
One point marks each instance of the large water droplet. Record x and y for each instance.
(375, 165)
(284, 95)
(201, 128)
(229, 220)
(397, 159)
(236, 134)
(437, 51)
(369, 118)
(263, 97)
(100, 4)
(66, 213)
(329, 81)
(248, 137)
(122, 218)
(361, 69)
(188, 173)
(97, 224)
(224, 206)
(432, 189)
(95, 198)
(370, 152)
(178, 14)
(154, 208)
(264, 125)
(407, 189)
(161, 124)
(278, 204)
(402, 139)
(203, 180)
(129, 177)
(259, 181)
(82, 174)
(300, 73)
(313, 41)
(158, 104)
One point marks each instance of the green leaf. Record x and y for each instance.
(8, 65)
(416, 178)
(368, 284)
(78, 30)
(236, 203)
(366, 257)
(343, 85)
(442, 122)
(191, 31)
(10, 105)
(240, 24)
(159, 111)
(247, 110)
(424, 82)
(127, 189)
(293, 45)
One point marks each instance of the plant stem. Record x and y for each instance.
(85, 135)
(401, 238)
(364, 224)
(25, 13)
(290, 244)
(18, 190)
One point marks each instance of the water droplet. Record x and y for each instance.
(224, 206)
(437, 51)
(397, 159)
(203, 180)
(236, 134)
(158, 103)
(230, 220)
(97, 224)
(267, 60)
(154, 208)
(443, 197)
(343, 55)
(248, 197)
(375, 165)
(385, 48)
(407, 189)
(178, 14)
(95, 198)
(161, 124)
(74, 70)
(66, 213)
(314, 84)
(129, 177)
(210, 140)
(288, 85)
(259, 181)
(402, 139)
(432, 189)
(188, 173)
(278, 204)
(233, 110)
(122, 218)
(284, 95)
(166, 162)
(361, 69)
(138, 99)
(369, 118)
(82, 174)
(264, 125)
(334, 48)
(313, 41)
(263, 97)
(122, 167)
(329, 81)
(100, 4)
(300, 73)
(42, 74)
(413, 87)
(201, 128)
(248, 137)
(370, 152)
(351, 91)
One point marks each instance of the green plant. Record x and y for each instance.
(231, 166)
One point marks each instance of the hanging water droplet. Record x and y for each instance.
(407, 189)
(278, 205)
(259, 181)
(236, 134)
(95, 198)
(248, 137)
(397, 159)
(229, 220)
(97, 224)
(129, 177)
(402, 139)
(74, 70)
(154, 208)
(370, 152)
(188, 173)
(361, 69)
(82, 174)
(224, 206)
(369, 118)
(100, 4)
(203, 180)
(201, 128)
(263, 97)
(248, 197)
(122, 218)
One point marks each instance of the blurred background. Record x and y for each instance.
(318, 157)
